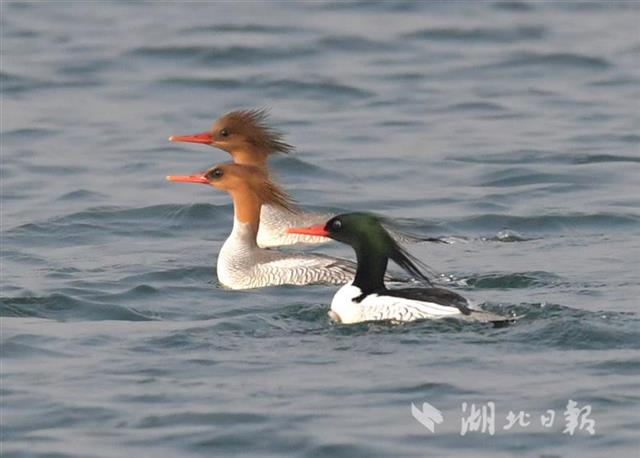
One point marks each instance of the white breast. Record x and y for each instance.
(243, 265)
(237, 257)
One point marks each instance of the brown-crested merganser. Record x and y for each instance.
(242, 264)
(247, 137)
(367, 298)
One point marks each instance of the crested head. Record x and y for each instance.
(368, 237)
(249, 187)
(238, 179)
(245, 134)
(358, 228)
(248, 130)
(373, 245)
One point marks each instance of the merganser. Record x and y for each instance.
(242, 264)
(367, 298)
(247, 137)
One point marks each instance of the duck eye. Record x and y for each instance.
(224, 132)
(336, 225)
(214, 174)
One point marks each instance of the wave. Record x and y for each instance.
(550, 157)
(556, 326)
(353, 43)
(96, 215)
(28, 133)
(17, 84)
(82, 195)
(513, 6)
(513, 280)
(64, 307)
(554, 60)
(544, 223)
(210, 55)
(246, 27)
(491, 35)
(315, 89)
(111, 223)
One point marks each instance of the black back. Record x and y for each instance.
(439, 296)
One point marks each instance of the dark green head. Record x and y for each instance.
(360, 230)
(372, 243)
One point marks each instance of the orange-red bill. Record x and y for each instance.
(188, 178)
(203, 137)
(318, 230)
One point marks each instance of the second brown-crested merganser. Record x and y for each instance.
(242, 264)
(247, 137)
(367, 298)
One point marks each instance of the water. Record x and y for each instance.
(512, 128)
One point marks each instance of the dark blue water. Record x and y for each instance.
(512, 128)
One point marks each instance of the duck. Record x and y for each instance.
(242, 263)
(367, 298)
(247, 136)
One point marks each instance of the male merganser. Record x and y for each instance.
(247, 137)
(367, 298)
(242, 264)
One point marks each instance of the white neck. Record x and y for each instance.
(242, 237)
(238, 253)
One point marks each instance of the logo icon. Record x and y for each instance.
(428, 417)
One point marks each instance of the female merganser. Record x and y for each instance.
(247, 137)
(242, 264)
(367, 298)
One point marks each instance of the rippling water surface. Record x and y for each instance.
(512, 128)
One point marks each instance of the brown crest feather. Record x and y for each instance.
(270, 193)
(239, 177)
(253, 125)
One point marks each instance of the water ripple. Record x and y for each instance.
(513, 280)
(560, 327)
(555, 61)
(211, 55)
(545, 223)
(320, 89)
(64, 307)
(546, 157)
(491, 35)
(245, 27)
(353, 43)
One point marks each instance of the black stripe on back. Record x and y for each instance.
(438, 296)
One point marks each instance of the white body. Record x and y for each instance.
(243, 265)
(377, 307)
